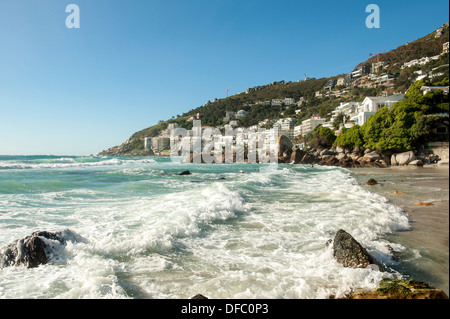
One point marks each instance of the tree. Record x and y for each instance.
(321, 137)
(350, 138)
(340, 118)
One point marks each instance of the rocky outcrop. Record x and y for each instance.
(415, 163)
(289, 153)
(128, 148)
(400, 289)
(350, 253)
(34, 250)
(284, 145)
(297, 155)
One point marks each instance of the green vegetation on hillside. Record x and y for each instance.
(409, 124)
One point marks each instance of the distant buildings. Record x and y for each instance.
(330, 85)
(426, 89)
(277, 102)
(308, 126)
(421, 61)
(360, 71)
(354, 113)
(240, 114)
(348, 109)
(445, 48)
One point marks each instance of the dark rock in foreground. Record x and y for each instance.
(34, 250)
(350, 253)
(185, 173)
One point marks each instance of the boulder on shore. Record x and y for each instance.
(403, 158)
(284, 145)
(350, 253)
(297, 155)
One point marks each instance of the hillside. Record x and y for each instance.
(318, 101)
(426, 46)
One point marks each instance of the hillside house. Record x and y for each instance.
(289, 101)
(348, 109)
(425, 89)
(240, 114)
(372, 104)
(309, 125)
(277, 102)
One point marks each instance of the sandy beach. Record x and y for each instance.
(407, 187)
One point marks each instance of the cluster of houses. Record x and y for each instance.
(352, 113)
(281, 102)
(362, 76)
(349, 113)
(370, 76)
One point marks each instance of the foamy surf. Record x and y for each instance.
(226, 231)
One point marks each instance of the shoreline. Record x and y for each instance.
(406, 187)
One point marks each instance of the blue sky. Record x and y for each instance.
(131, 63)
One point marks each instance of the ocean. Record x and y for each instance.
(135, 228)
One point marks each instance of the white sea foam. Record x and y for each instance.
(259, 234)
(61, 163)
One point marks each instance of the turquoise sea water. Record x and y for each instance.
(225, 231)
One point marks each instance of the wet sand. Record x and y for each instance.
(429, 233)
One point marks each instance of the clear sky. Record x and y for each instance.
(134, 62)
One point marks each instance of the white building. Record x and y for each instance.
(241, 113)
(425, 89)
(301, 101)
(421, 61)
(309, 125)
(286, 123)
(445, 48)
(348, 109)
(372, 104)
(289, 101)
(298, 130)
(277, 102)
(329, 125)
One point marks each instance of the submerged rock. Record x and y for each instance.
(350, 253)
(34, 250)
(371, 182)
(185, 173)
